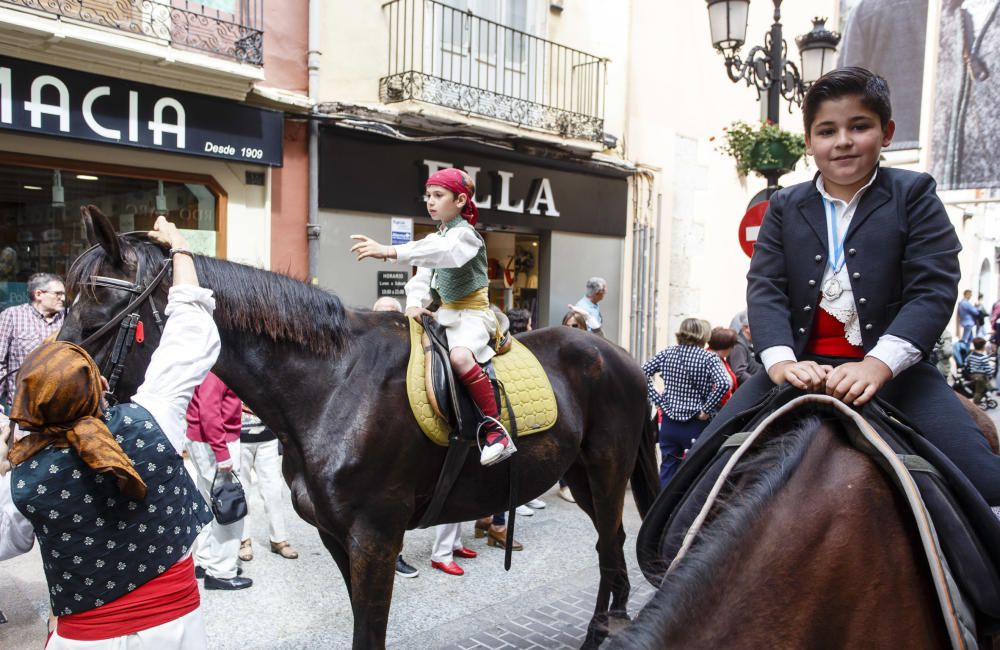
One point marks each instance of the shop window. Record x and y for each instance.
(41, 229)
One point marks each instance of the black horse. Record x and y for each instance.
(331, 380)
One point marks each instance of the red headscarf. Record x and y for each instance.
(458, 182)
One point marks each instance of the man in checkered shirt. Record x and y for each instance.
(24, 327)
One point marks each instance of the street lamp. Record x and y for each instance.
(767, 67)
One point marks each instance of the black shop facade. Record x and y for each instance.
(549, 225)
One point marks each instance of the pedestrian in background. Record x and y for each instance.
(967, 314)
(259, 455)
(24, 327)
(742, 359)
(520, 320)
(597, 288)
(722, 341)
(213, 445)
(979, 367)
(695, 381)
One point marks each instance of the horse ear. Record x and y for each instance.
(101, 232)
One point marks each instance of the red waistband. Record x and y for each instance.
(828, 338)
(161, 600)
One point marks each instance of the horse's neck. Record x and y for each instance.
(829, 549)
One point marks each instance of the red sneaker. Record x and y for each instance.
(450, 568)
(467, 553)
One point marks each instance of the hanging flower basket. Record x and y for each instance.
(766, 148)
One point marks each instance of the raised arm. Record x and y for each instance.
(189, 346)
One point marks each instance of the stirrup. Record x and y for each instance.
(507, 451)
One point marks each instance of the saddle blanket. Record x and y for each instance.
(528, 388)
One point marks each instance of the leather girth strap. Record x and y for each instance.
(459, 446)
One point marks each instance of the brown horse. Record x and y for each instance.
(331, 381)
(811, 548)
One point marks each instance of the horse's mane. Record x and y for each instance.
(247, 299)
(677, 603)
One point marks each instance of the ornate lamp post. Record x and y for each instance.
(767, 67)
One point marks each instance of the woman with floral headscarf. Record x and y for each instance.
(104, 490)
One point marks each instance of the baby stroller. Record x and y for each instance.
(964, 386)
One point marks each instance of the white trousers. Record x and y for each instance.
(184, 633)
(263, 458)
(447, 538)
(218, 546)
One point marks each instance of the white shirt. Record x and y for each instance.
(187, 351)
(435, 251)
(899, 354)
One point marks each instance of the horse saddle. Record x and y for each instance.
(964, 534)
(444, 409)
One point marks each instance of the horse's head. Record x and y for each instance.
(108, 313)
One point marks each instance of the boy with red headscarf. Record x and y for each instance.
(452, 264)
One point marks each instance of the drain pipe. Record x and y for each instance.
(313, 227)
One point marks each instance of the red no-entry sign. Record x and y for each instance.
(750, 226)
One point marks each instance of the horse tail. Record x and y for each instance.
(645, 478)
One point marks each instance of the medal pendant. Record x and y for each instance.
(832, 289)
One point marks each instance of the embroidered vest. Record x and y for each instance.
(455, 284)
(96, 544)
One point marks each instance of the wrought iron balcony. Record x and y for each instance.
(445, 56)
(226, 28)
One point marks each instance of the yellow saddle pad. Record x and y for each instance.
(528, 388)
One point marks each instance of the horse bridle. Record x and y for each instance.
(126, 320)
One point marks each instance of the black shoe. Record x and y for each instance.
(228, 584)
(199, 571)
(404, 570)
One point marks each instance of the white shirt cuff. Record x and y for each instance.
(776, 354)
(899, 354)
(190, 294)
(402, 252)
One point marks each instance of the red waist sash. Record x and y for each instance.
(828, 338)
(161, 600)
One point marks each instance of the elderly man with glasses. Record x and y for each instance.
(24, 327)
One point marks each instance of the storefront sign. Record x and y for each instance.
(45, 99)
(401, 231)
(378, 174)
(392, 283)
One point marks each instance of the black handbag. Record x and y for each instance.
(229, 502)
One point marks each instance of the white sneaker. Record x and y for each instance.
(524, 511)
(499, 450)
(536, 504)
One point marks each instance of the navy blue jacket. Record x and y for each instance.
(902, 254)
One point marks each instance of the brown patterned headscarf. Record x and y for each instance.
(58, 398)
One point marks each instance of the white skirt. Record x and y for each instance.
(184, 633)
(470, 328)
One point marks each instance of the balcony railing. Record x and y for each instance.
(226, 28)
(452, 58)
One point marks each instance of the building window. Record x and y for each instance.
(41, 229)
